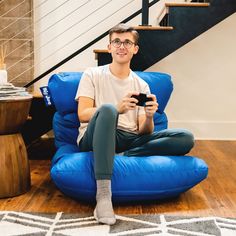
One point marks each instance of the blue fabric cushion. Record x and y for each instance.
(134, 178)
(65, 128)
(63, 88)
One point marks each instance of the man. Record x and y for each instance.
(111, 121)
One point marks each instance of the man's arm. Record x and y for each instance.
(146, 125)
(86, 109)
(145, 122)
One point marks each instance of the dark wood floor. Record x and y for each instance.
(214, 196)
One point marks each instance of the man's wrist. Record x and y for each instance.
(149, 118)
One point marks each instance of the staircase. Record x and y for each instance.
(182, 23)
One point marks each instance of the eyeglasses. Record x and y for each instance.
(117, 43)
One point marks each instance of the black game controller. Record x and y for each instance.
(142, 99)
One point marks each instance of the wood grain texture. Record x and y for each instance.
(144, 27)
(13, 114)
(215, 196)
(14, 166)
(187, 4)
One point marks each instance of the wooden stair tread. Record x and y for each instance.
(141, 27)
(187, 4)
(100, 51)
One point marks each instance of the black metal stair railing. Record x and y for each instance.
(145, 13)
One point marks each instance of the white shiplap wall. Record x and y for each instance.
(63, 26)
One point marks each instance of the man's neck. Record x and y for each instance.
(121, 71)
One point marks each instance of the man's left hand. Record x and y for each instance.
(151, 106)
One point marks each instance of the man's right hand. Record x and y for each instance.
(127, 103)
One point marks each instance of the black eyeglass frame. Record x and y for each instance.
(117, 43)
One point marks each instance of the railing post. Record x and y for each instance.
(145, 12)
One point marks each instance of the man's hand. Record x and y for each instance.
(127, 103)
(146, 123)
(151, 106)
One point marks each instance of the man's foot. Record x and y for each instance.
(104, 216)
(103, 212)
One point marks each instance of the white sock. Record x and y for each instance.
(103, 212)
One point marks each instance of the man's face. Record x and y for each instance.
(122, 53)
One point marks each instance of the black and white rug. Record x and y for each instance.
(61, 224)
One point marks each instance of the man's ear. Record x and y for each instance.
(136, 48)
(109, 48)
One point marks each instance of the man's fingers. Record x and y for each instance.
(153, 96)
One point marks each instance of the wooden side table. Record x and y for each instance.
(14, 165)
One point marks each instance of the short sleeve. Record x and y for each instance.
(146, 89)
(86, 86)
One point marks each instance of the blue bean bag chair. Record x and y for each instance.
(134, 178)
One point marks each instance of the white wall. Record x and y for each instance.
(204, 76)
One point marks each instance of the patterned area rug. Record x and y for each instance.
(61, 224)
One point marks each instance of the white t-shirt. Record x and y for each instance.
(101, 85)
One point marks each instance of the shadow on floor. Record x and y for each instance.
(41, 149)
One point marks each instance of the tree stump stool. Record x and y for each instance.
(14, 164)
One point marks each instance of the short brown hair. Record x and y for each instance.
(123, 28)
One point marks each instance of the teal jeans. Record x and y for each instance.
(104, 139)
